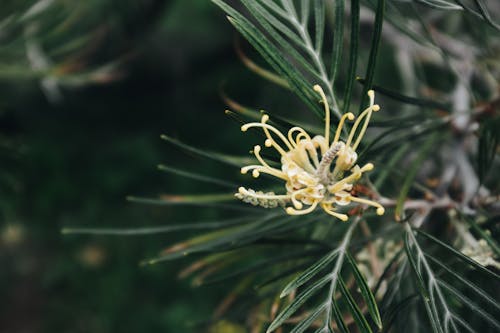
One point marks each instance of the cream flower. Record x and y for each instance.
(314, 169)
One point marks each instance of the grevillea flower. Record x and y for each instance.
(316, 172)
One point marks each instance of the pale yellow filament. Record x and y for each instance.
(301, 133)
(380, 209)
(375, 108)
(292, 211)
(256, 169)
(353, 177)
(366, 113)
(266, 128)
(256, 152)
(328, 209)
(296, 203)
(349, 116)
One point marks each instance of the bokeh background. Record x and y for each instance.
(72, 152)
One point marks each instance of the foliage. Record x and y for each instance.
(434, 61)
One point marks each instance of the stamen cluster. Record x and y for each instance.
(314, 169)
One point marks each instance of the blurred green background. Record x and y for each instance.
(73, 161)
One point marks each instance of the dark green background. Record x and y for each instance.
(74, 162)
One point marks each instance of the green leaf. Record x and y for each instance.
(440, 4)
(392, 313)
(483, 234)
(339, 318)
(319, 24)
(365, 292)
(297, 302)
(264, 264)
(418, 101)
(353, 54)
(459, 255)
(372, 60)
(411, 174)
(354, 309)
(477, 290)
(156, 230)
(338, 39)
(219, 239)
(486, 14)
(489, 139)
(309, 273)
(332, 277)
(306, 323)
(231, 160)
(207, 200)
(420, 266)
(470, 304)
(391, 164)
(196, 176)
(271, 53)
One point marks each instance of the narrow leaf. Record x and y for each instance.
(372, 60)
(353, 54)
(354, 309)
(196, 176)
(411, 174)
(365, 292)
(441, 4)
(309, 273)
(459, 254)
(298, 301)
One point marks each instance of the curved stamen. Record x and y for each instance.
(257, 169)
(366, 113)
(266, 128)
(349, 116)
(309, 146)
(329, 210)
(319, 90)
(338, 186)
(296, 203)
(291, 211)
(301, 133)
(380, 209)
(374, 108)
(256, 152)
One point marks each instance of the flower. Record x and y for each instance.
(307, 163)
